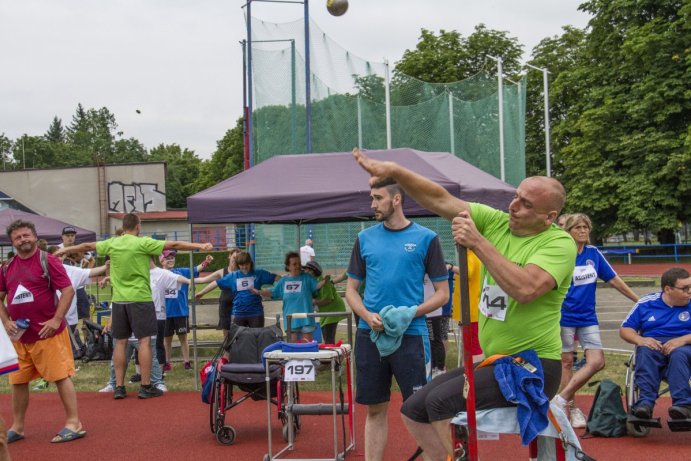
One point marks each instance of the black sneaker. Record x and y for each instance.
(643, 412)
(120, 392)
(680, 412)
(135, 378)
(147, 392)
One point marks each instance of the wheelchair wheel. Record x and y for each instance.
(213, 412)
(631, 394)
(225, 435)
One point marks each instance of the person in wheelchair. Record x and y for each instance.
(660, 326)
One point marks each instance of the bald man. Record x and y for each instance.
(307, 253)
(527, 265)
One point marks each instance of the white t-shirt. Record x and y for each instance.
(162, 281)
(306, 254)
(79, 278)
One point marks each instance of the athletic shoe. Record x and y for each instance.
(120, 392)
(564, 407)
(643, 412)
(168, 366)
(161, 387)
(577, 418)
(680, 412)
(188, 366)
(109, 388)
(135, 378)
(147, 392)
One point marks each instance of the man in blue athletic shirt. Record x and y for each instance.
(393, 258)
(660, 325)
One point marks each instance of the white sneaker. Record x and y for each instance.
(577, 418)
(436, 372)
(564, 407)
(108, 388)
(161, 387)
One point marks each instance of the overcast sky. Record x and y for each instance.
(180, 63)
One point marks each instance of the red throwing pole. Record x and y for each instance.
(462, 253)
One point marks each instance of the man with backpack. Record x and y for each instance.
(29, 282)
(660, 326)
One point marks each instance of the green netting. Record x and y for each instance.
(348, 104)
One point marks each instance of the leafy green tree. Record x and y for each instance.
(557, 54)
(450, 57)
(32, 152)
(226, 161)
(6, 152)
(627, 151)
(182, 170)
(56, 132)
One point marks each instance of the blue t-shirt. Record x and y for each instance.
(394, 264)
(651, 317)
(246, 303)
(176, 299)
(296, 293)
(578, 309)
(448, 307)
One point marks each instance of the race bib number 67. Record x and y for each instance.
(494, 302)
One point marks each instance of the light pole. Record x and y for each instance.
(545, 84)
(500, 92)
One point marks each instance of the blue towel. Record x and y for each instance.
(396, 321)
(526, 389)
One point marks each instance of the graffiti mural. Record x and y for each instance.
(135, 197)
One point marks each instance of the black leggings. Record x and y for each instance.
(252, 322)
(442, 398)
(434, 327)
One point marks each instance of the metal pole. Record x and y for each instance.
(293, 111)
(250, 130)
(548, 153)
(387, 88)
(308, 96)
(245, 125)
(359, 122)
(452, 139)
(194, 319)
(545, 89)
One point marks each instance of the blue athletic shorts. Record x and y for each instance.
(410, 365)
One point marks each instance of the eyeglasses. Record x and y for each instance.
(686, 289)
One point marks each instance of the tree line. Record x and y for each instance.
(619, 115)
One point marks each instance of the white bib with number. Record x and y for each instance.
(294, 286)
(494, 301)
(299, 370)
(244, 283)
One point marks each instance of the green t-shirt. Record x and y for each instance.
(129, 265)
(328, 291)
(534, 325)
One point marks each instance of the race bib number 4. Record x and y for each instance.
(494, 302)
(299, 370)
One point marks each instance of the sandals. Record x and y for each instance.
(14, 436)
(68, 435)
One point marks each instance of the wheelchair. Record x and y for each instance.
(640, 427)
(246, 371)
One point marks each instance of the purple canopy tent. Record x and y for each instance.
(46, 228)
(320, 188)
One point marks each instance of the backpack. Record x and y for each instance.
(607, 417)
(44, 265)
(99, 344)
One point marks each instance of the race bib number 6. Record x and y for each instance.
(494, 302)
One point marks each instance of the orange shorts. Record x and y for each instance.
(50, 359)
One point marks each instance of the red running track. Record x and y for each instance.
(175, 427)
(647, 270)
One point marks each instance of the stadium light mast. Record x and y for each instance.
(500, 93)
(545, 85)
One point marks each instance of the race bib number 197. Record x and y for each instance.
(494, 302)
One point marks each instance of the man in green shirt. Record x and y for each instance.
(527, 266)
(133, 311)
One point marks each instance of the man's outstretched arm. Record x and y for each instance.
(424, 191)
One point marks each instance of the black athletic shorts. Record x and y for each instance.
(177, 326)
(137, 318)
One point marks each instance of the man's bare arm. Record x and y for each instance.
(438, 299)
(354, 301)
(186, 246)
(424, 191)
(81, 248)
